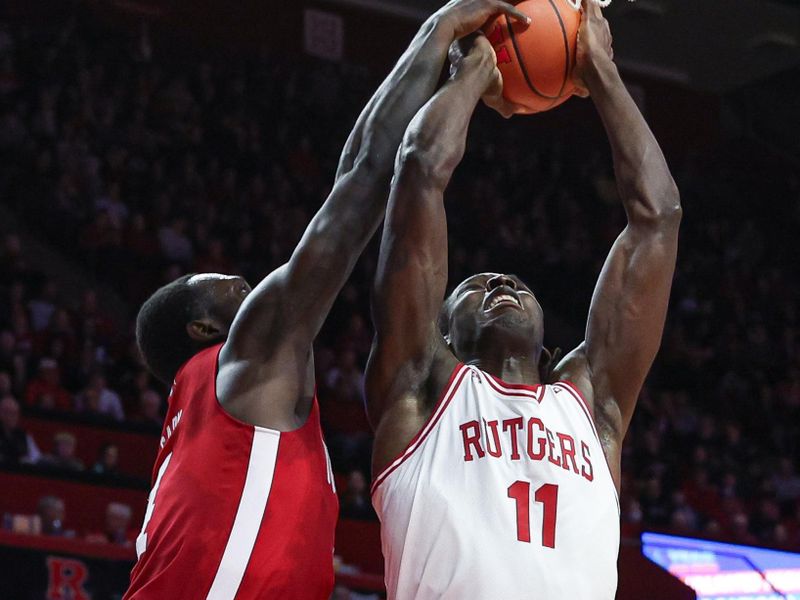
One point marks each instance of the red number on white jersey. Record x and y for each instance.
(547, 495)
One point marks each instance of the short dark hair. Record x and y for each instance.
(161, 328)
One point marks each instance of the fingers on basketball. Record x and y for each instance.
(511, 11)
(591, 8)
(479, 44)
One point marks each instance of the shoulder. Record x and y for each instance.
(575, 368)
(421, 377)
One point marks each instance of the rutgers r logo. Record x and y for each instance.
(497, 39)
(65, 579)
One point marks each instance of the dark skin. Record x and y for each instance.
(411, 361)
(266, 368)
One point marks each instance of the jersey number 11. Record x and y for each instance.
(547, 495)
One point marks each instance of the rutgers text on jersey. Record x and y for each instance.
(505, 494)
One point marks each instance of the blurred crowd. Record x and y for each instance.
(143, 165)
(50, 517)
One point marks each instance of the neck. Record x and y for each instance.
(511, 369)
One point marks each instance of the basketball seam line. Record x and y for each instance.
(566, 48)
(522, 62)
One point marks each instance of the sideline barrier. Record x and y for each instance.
(37, 567)
(85, 502)
(137, 446)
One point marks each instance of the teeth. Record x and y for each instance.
(502, 298)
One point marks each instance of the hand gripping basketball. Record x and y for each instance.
(493, 96)
(467, 16)
(593, 45)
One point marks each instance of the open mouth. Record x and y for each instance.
(503, 299)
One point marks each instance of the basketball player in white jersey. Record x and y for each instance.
(492, 480)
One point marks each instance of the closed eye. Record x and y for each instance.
(471, 289)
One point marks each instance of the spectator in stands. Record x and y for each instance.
(741, 529)
(175, 244)
(355, 503)
(786, 482)
(150, 409)
(45, 391)
(107, 461)
(7, 350)
(97, 400)
(63, 456)
(43, 306)
(732, 341)
(215, 259)
(51, 511)
(346, 379)
(116, 527)
(6, 388)
(16, 445)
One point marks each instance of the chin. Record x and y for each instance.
(513, 320)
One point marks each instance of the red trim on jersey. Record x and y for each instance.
(581, 397)
(525, 391)
(573, 391)
(535, 388)
(456, 377)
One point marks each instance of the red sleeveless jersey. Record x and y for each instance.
(236, 511)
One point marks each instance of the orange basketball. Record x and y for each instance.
(536, 61)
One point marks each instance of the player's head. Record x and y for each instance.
(490, 312)
(185, 316)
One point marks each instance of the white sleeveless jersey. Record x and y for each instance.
(504, 494)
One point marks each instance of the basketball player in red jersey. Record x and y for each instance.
(457, 392)
(243, 504)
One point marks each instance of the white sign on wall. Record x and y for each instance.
(323, 34)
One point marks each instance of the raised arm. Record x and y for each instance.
(629, 305)
(294, 301)
(412, 269)
(271, 337)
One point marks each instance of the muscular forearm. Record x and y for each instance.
(643, 178)
(379, 129)
(412, 269)
(341, 228)
(348, 220)
(434, 143)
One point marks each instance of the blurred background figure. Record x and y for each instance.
(117, 527)
(51, 511)
(16, 445)
(63, 455)
(355, 502)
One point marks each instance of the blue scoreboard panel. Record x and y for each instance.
(717, 571)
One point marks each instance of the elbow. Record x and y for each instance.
(431, 163)
(670, 211)
(662, 211)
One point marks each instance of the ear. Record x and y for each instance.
(203, 330)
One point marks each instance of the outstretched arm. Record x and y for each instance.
(629, 305)
(271, 337)
(412, 269)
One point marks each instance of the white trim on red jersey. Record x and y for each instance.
(246, 525)
(141, 540)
